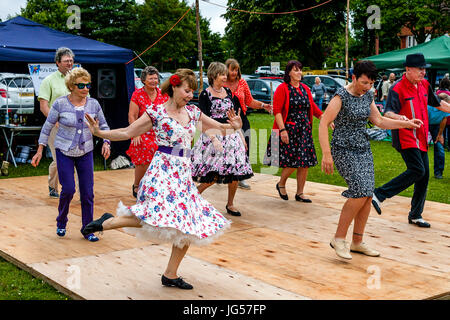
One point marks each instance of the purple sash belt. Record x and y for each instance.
(175, 151)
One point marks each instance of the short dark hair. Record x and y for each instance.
(444, 84)
(289, 66)
(365, 67)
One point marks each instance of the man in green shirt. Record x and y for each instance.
(53, 87)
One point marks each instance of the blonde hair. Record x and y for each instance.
(214, 69)
(74, 74)
(234, 64)
(185, 75)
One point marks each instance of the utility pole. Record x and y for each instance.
(346, 42)
(199, 39)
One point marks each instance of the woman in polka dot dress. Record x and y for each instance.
(291, 145)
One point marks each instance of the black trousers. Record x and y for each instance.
(246, 131)
(417, 173)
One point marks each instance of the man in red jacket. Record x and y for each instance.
(408, 98)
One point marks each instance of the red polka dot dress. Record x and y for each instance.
(143, 153)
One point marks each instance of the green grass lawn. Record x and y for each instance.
(16, 284)
(387, 161)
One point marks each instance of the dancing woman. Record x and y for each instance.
(169, 206)
(350, 150)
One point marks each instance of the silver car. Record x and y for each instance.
(16, 93)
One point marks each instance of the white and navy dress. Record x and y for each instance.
(350, 146)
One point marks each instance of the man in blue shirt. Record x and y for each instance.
(437, 122)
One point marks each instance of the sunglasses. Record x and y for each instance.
(82, 85)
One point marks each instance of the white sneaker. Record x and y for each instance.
(341, 247)
(364, 249)
(244, 185)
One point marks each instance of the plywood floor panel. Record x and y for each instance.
(276, 250)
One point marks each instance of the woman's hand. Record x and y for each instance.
(136, 141)
(414, 123)
(284, 137)
(332, 125)
(327, 164)
(36, 159)
(268, 107)
(38, 156)
(216, 144)
(94, 125)
(106, 150)
(440, 138)
(234, 120)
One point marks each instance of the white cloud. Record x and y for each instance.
(11, 7)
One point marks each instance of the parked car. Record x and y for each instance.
(163, 76)
(331, 83)
(138, 72)
(137, 79)
(267, 71)
(196, 92)
(16, 93)
(260, 89)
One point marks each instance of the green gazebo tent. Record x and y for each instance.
(436, 52)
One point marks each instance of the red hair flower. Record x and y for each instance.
(175, 80)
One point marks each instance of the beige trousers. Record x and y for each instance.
(53, 180)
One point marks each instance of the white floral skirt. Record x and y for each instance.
(170, 207)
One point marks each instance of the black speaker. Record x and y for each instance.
(106, 83)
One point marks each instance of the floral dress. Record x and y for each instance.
(168, 203)
(232, 164)
(300, 151)
(143, 153)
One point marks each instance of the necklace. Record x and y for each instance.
(217, 91)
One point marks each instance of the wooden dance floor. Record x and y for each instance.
(276, 250)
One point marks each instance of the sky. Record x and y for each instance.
(207, 10)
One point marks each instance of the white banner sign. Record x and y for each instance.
(38, 72)
(275, 68)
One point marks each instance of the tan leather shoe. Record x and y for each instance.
(364, 249)
(341, 247)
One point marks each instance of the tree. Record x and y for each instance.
(108, 21)
(155, 18)
(423, 17)
(307, 36)
(51, 13)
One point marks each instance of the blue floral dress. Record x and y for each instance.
(168, 203)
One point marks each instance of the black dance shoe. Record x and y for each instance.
(96, 225)
(282, 196)
(178, 282)
(298, 198)
(233, 213)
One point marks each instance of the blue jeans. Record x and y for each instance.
(439, 152)
(417, 173)
(319, 101)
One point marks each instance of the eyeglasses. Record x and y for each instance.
(82, 85)
(67, 61)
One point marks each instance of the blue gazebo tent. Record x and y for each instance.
(23, 41)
